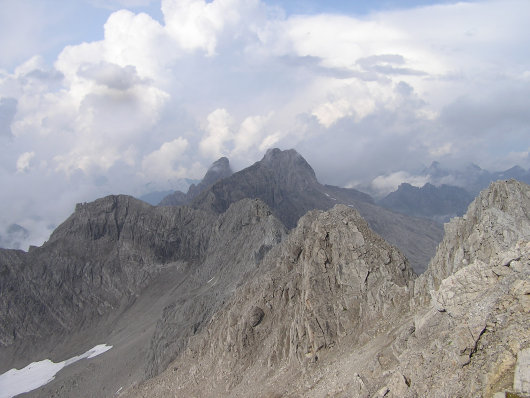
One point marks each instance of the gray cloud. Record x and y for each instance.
(356, 97)
(111, 75)
(8, 109)
(387, 64)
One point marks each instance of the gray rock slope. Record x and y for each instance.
(331, 278)
(97, 266)
(335, 311)
(240, 238)
(217, 171)
(288, 185)
(101, 256)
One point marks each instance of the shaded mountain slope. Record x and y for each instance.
(111, 261)
(240, 238)
(288, 185)
(101, 255)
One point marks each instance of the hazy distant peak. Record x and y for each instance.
(218, 170)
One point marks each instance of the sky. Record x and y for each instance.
(131, 96)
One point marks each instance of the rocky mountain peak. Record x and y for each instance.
(332, 277)
(495, 221)
(290, 166)
(218, 170)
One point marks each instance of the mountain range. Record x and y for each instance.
(448, 192)
(268, 283)
(439, 203)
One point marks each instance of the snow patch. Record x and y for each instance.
(36, 374)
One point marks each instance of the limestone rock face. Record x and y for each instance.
(471, 306)
(106, 252)
(494, 222)
(335, 311)
(466, 341)
(330, 278)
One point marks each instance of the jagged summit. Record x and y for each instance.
(286, 182)
(217, 171)
(496, 220)
(290, 168)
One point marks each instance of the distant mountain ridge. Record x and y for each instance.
(288, 185)
(472, 178)
(448, 192)
(439, 203)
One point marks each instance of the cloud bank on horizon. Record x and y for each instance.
(158, 98)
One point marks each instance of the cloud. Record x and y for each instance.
(23, 161)
(8, 109)
(155, 99)
(162, 161)
(111, 75)
(387, 64)
(385, 184)
(218, 128)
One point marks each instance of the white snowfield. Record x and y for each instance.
(36, 374)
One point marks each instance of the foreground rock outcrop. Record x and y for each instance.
(335, 311)
(332, 277)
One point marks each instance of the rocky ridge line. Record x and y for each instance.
(338, 313)
(288, 185)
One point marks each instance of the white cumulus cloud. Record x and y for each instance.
(23, 161)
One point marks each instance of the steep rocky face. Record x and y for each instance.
(329, 314)
(439, 203)
(282, 179)
(217, 171)
(473, 301)
(288, 185)
(240, 238)
(330, 278)
(103, 254)
(495, 221)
